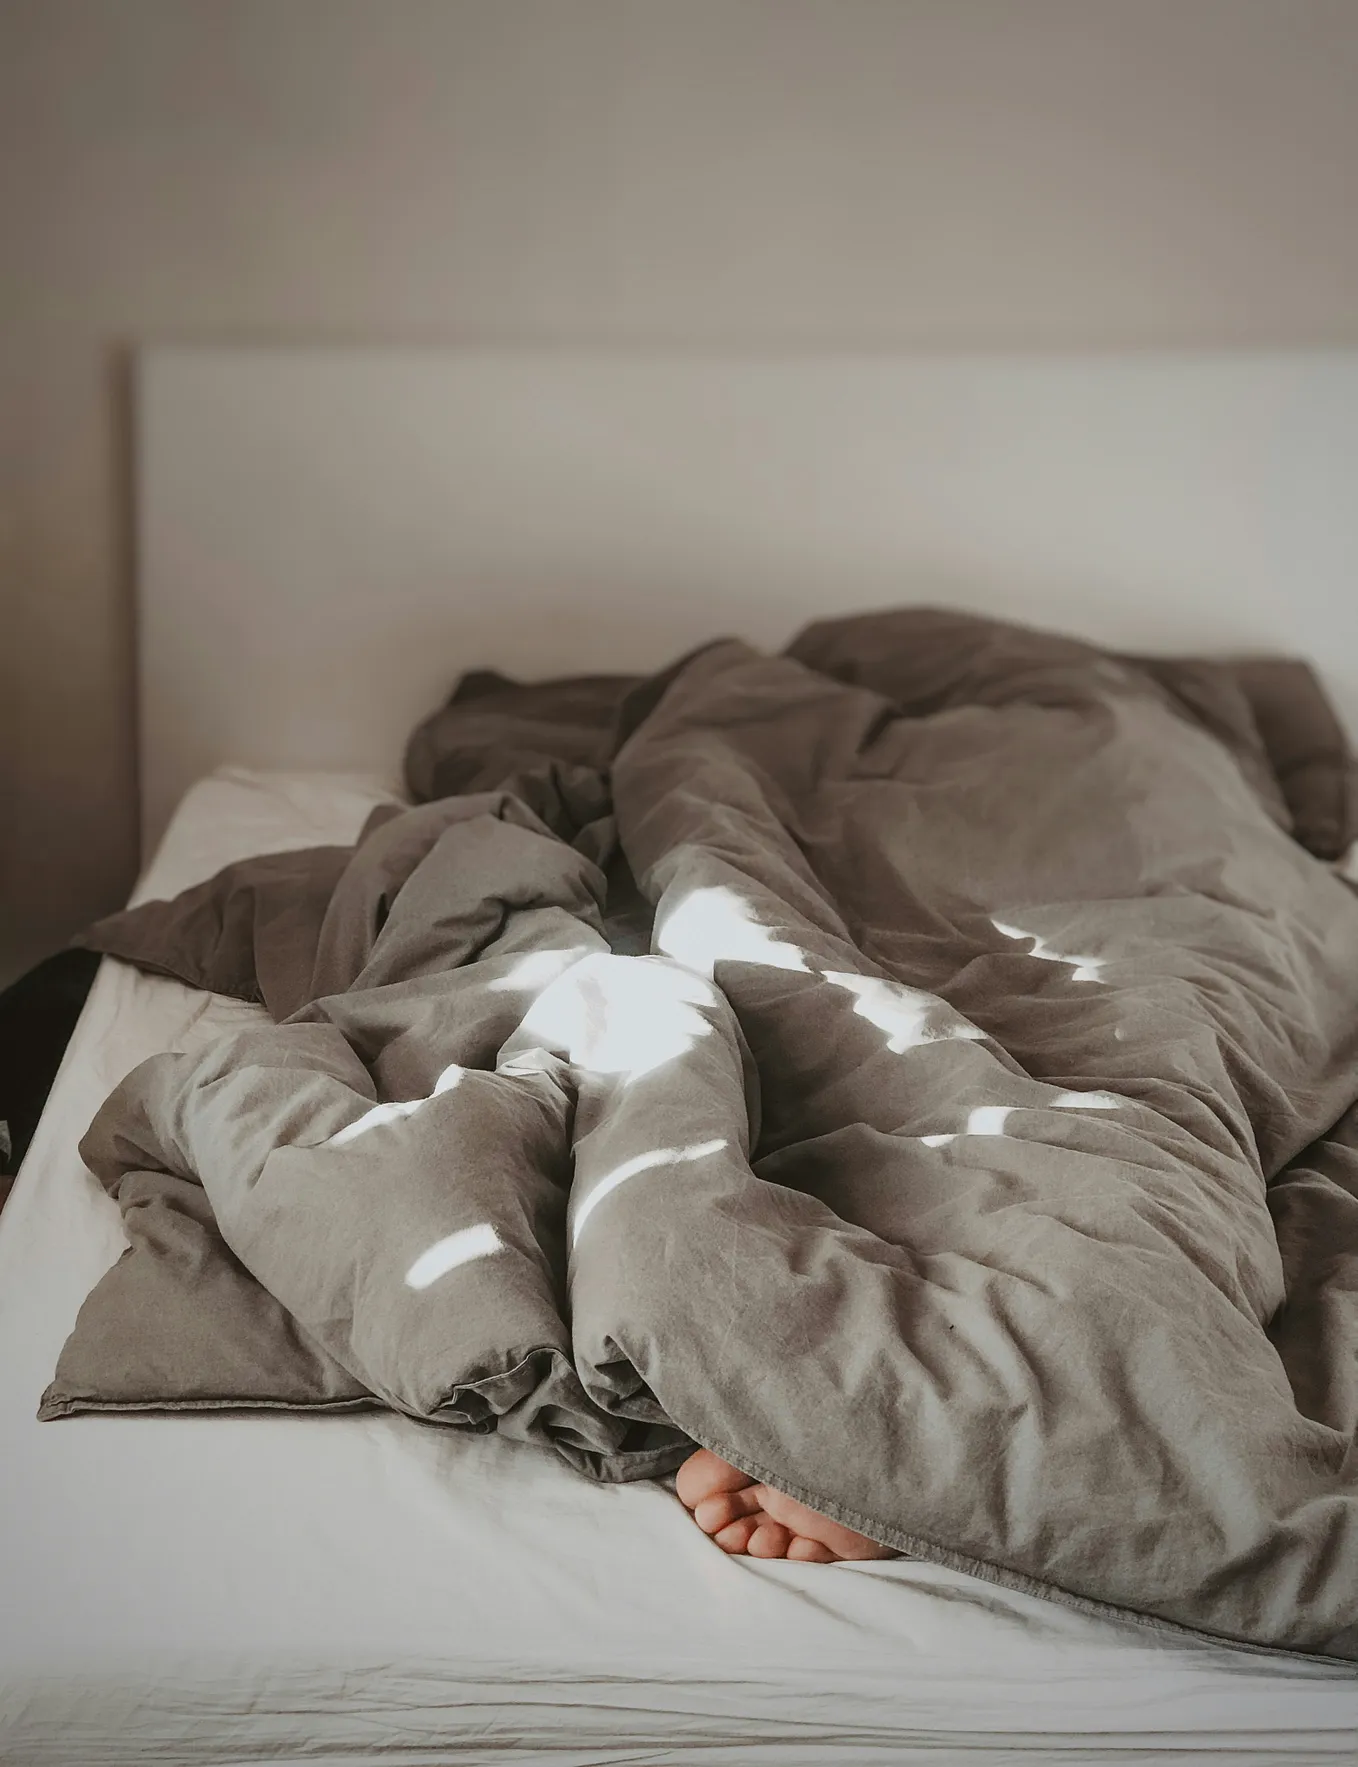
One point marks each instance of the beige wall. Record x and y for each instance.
(854, 172)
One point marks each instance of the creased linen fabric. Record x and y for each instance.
(971, 1156)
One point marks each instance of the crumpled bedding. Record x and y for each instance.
(972, 1154)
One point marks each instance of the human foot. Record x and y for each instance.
(743, 1516)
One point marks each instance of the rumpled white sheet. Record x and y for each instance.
(225, 1589)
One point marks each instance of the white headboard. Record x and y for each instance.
(327, 538)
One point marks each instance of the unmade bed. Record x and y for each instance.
(364, 1585)
(223, 1589)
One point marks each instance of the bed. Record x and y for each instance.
(360, 1587)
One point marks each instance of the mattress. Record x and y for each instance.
(213, 1589)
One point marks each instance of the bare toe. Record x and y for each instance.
(769, 1540)
(705, 1474)
(811, 1525)
(810, 1552)
(743, 1516)
(713, 1513)
(736, 1536)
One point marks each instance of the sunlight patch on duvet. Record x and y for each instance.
(903, 1013)
(621, 1015)
(713, 925)
(990, 1119)
(985, 1119)
(643, 1162)
(381, 1114)
(535, 969)
(1083, 969)
(447, 1254)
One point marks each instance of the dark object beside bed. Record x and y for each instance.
(37, 1015)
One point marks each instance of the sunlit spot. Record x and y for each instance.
(643, 1162)
(903, 1013)
(714, 925)
(621, 1015)
(988, 1119)
(458, 1248)
(1083, 969)
(393, 1113)
(536, 969)
(985, 1119)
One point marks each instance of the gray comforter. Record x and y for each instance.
(971, 1152)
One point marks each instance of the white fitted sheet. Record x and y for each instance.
(212, 1589)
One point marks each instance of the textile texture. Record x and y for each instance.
(920, 1067)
